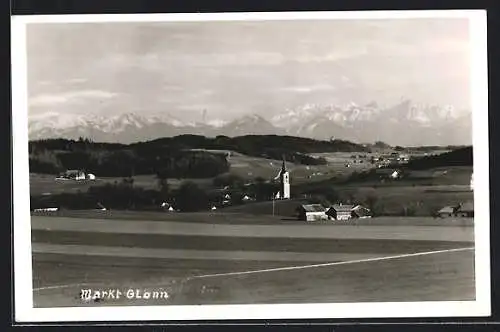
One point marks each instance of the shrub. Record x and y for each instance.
(190, 197)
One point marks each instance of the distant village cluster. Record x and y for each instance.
(384, 160)
(77, 175)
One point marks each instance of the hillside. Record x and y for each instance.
(457, 157)
(179, 157)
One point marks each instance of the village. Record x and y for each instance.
(385, 167)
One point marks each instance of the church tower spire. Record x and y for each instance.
(284, 181)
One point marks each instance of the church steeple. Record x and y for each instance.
(284, 181)
(283, 166)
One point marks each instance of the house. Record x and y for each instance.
(447, 211)
(340, 212)
(51, 209)
(100, 207)
(312, 212)
(461, 210)
(74, 174)
(167, 206)
(465, 210)
(360, 212)
(404, 158)
(388, 173)
(226, 200)
(246, 198)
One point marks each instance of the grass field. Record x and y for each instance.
(41, 184)
(182, 252)
(231, 217)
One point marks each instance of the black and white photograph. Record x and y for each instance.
(251, 166)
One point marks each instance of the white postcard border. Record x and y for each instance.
(24, 311)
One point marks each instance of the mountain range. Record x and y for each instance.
(405, 124)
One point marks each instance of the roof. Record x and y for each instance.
(313, 208)
(447, 209)
(361, 211)
(342, 208)
(70, 171)
(466, 207)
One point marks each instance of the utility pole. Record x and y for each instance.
(273, 203)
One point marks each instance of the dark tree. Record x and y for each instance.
(190, 198)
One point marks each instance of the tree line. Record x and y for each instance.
(125, 195)
(129, 162)
(174, 155)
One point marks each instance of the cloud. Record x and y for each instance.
(158, 61)
(76, 80)
(346, 53)
(308, 88)
(50, 99)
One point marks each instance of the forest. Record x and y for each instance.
(182, 156)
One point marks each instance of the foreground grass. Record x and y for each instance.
(233, 218)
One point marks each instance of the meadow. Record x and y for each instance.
(212, 260)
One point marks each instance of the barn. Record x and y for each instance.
(340, 212)
(447, 211)
(312, 212)
(461, 210)
(361, 212)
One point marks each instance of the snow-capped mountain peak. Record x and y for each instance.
(404, 123)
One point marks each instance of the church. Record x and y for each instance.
(284, 179)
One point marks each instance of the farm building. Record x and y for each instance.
(74, 175)
(247, 198)
(461, 210)
(388, 173)
(360, 212)
(51, 209)
(447, 211)
(312, 212)
(340, 212)
(226, 200)
(465, 210)
(101, 207)
(167, 207)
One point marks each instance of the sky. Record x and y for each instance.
(239, 67)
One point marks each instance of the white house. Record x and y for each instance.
(394, 175)
(246, 198)
(51, 209)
